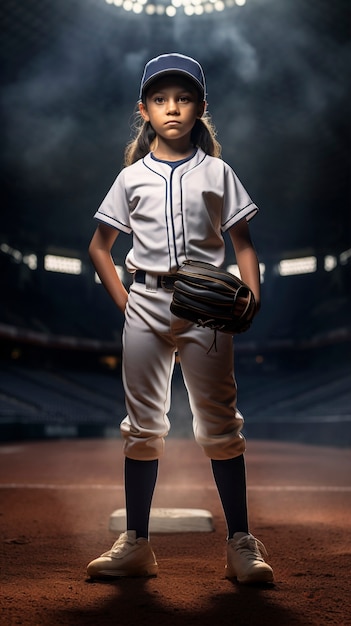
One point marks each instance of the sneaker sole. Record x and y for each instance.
(265, 576)
(146, 573)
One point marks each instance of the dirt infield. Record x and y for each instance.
(56, 500)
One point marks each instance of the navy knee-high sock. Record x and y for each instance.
(230, 478)
(140, 480)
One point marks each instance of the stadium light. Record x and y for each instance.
(62, 264)
(170, 8)
(345, 256)
(233, 269)
(303, 265)
(330, 262)
(120, 271)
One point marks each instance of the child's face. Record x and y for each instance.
(172, 106)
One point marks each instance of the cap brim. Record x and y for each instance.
(168, 72)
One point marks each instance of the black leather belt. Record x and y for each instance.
(166, 281)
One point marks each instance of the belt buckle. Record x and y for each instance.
(167, 282)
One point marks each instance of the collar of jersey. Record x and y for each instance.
(174, 164)
(153, 163)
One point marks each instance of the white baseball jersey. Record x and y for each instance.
(175, 214)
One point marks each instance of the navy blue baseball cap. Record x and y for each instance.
(173, 63)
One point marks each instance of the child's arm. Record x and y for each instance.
(246, 258)
(100, 254)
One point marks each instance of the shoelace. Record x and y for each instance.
(252, 547)
(122, 544)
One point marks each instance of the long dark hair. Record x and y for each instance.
(203, 135)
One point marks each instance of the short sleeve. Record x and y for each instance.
(114, 209)
(237, 202)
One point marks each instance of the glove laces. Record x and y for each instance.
(210, 323)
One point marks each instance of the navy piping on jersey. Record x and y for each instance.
(112, 218)
(172, 222)
(243, 209)
(182, 214)
(173, 165)
(165, 206)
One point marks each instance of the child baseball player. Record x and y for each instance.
(177, 197)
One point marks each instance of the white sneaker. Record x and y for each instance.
(128, 556)
(245, 561)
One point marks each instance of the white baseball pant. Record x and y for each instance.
(151, 337)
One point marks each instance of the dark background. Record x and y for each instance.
(278, 89)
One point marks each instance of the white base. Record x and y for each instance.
(168, 521)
